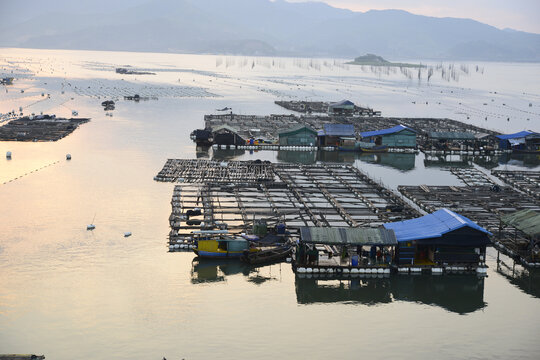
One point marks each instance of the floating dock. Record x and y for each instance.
(237, 194)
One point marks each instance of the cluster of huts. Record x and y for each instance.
(443, 241)
(341, 136)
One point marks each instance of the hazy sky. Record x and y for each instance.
(516, 14)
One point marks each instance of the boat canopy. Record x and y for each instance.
(391, 130)
(347, 236)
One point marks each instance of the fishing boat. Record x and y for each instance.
(220, 244)
(271, 255)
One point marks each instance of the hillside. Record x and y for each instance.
(255, 27)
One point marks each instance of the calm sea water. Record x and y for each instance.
(70, 293)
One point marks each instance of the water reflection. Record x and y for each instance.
(227, 154)
(400, 161)
(528, 280)
(460, 293)
(521, 160)
(216, 270)
(297, 157)
(488, 162)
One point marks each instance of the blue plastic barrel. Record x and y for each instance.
(354, 260)
(280, 229)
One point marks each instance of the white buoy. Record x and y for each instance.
(171, 247)
(68, 157)
(176, 246)
(301, 270)
(127, 234)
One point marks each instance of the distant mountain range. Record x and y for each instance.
(255, 27)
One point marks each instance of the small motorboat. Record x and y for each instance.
(90, 227)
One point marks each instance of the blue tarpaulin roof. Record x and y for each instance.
(338, 130)
(517, 135)
(431, 226)
(391, 130)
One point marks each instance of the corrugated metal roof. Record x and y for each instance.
(225, 127)
(431, 226)
(391, 130)
(295, 129)
(338, 129)
(349, 236)
(515, 135)
(451, 135)
(527, 221)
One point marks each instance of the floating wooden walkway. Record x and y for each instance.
(299, 195)
(526, 181)
(471, 176)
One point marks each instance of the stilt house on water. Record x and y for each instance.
(523, 141)
(528, 222)
(341, 250)
(299, 135)
(397, 136)
(331, 134)
(440, 239)
(227, 135)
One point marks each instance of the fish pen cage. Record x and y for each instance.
(321, 195)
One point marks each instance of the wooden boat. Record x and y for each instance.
(220, 244)
(271, 255)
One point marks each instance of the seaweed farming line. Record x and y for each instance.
(30, 172)
(299, 196)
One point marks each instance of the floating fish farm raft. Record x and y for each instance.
(235, 195)
(321, 107)
(526, 181)
(40, 128)
(267, 127)
(485, 203)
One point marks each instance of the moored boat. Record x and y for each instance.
(266, 256)
(220, 244)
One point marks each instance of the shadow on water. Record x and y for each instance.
(461, 294)
(216, 270)
(528, 280)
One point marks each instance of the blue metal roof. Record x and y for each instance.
(432, 225)
(391, 130)
(338, 129)
(517, 135)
